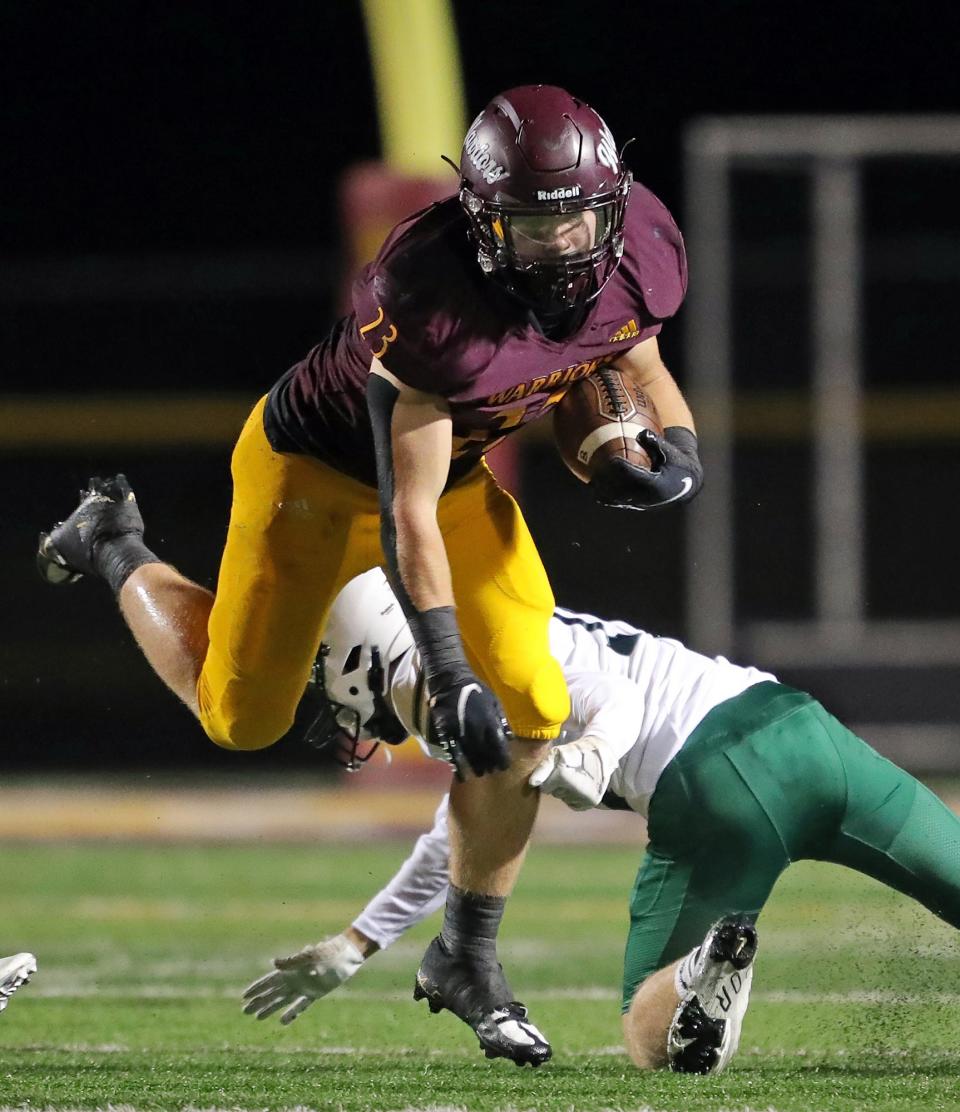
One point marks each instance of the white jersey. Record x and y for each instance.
(642, 695)
(671, 689)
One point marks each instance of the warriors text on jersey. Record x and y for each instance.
(435, 321)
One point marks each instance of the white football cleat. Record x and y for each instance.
(15, 971)
(713, 983)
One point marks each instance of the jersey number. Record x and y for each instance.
(386, 339)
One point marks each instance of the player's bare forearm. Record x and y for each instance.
(647, 369)
(412, 434)
(421, 442)
(413, 438)
(669, 403)
(421, 556)
(363, 943)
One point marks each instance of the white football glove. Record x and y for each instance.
(302, 978)
(577, 772)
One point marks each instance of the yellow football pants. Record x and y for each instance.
(300, 530)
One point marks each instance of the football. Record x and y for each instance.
(601, 416)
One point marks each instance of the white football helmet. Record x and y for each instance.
(365, 633)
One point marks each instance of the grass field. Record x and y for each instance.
(144, 951)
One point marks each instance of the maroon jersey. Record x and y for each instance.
(425, 309)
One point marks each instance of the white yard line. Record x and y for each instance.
(66, 990)
(856, 996)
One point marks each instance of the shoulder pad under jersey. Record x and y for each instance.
(654, 260)
(411, 301)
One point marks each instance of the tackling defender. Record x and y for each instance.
(737, 774)
(474, 319)
(15, 972)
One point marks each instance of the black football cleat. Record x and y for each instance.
(480, 997)
(107, 510)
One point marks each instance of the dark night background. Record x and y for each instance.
(132, 131)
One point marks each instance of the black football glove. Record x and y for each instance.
(466, 721)
(468, 725)
(675, 475)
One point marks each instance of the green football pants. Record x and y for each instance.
(767, 778)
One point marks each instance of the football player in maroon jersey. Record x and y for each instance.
(474, 319)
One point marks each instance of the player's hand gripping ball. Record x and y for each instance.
(609, 435)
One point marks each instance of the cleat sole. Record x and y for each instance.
(420, 993)
(694, 1040)
(735, 942)
(51, 565)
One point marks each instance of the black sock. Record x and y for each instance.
(118, 558)
(470, 924)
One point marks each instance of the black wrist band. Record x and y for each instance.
(118, 559)
(683, 439)
(685, 443)
(441, 649)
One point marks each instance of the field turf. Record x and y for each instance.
(144, 951)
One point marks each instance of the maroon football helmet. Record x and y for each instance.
(545, 191)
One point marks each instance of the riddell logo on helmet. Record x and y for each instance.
(560, 194)
(478, 154)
